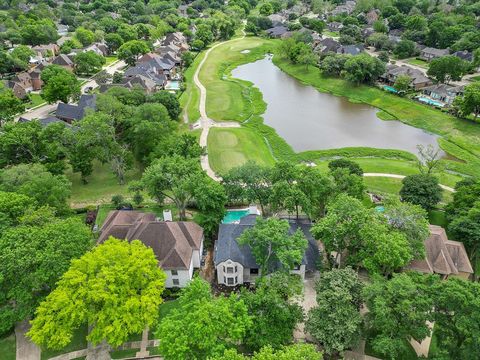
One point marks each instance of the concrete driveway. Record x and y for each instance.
(308, 301)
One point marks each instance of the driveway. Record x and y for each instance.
(26, 350)
(308, 301)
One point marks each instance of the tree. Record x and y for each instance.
(340, 228)
(466, 228)
(457, 309)
(469, 103)
(317, 188)
(187, 59)
(169, 100)
(335, 322)
(405, 48)
(10, 105)
(429, 159)
(274, 316)
(12, 207)
(33, 259)
(204, 34)
(380, 27)
(348, 183)
(224, 322)
(131, 50)
(352, 166)
(447, 68)
(399, 309)
(211, 199)
(113, 41)
(21, 56)
(421, 189)
(363, 68)
(290, 352)
(36, 182)
(39, 31)
(271, 243)
(115, 288)
(308, 58)
(175, 178)
(59, 84)
(88, 63)
(379, 41)
(402, 83)
(85, 36)
(249, 182)
(333, 65)
(266, 9)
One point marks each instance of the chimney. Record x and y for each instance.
(167, 215)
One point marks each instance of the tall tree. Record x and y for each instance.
(271, 243)
(335, 322)
(131, 50)
(10, 105)
(421, 189)
(115, 288)
(469, 103)
(33, 259)
(203, 326)
(211, 199)
(447, 68)
(59, 84)
(88, 63)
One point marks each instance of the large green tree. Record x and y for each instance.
(399, 309)
(336, 321)
(447, 68)
(131, 50)
(115, 289)
(33, 258)
(469, 103)
(363, 68)
(290, 352)
(272, 244)
(203, 325)
(88, 63)
(10, 105)
(59, 84)
(421, 189)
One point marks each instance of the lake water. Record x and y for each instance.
(310, 120)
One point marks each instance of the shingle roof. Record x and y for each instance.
(76, 112)
(227, 246)
(172, 242)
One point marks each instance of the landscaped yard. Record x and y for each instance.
(110, 60)
(35, 100)
(78, 342)
(228, 148)
(418, 62)
(7, 347)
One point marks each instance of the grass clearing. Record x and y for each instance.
(35, 100)
(190, 98)
(418, 62)
(110, 60)
(232, 147)
(7, 347)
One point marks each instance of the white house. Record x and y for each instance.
(235, 264)
(177, 245)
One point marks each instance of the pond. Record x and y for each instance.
(310, 120)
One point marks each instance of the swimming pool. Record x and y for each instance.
(380, 209)
(234, 216)
(430, 101)
(173, 85)
(391, 89)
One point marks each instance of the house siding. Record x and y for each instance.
(183, 277)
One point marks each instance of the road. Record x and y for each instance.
(45, 110)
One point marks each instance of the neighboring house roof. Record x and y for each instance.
(443, 256)
(277, 31)
(372, 16)
(50, 120)
(464, 55)
(227, 247)
(435, 52)
(63, 60)
(172, 242)
(350, 49)
(417, 76)
(445, 90)
(277, 19)
(76, 112)
(328, 45)
(334, 26)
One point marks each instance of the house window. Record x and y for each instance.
(236, 280)
(254, 271)
(236, 268)
(224, 269)
(224, 280)
(176, 282)
(174, 272)
(229, 270)
(230, 281)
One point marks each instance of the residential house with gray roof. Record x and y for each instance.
(177, 245)
(235, 264)
(72, 112)
(428, 53)
(419, 79)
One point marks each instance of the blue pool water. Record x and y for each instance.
(380, 209)
(234, 215)
(173, 85)
(430, 101)
(391, 89)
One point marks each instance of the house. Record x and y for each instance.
(182, 10)
(464, 55)
(177, 245)
(350, 49)
(277, 31)
(419, 79)
(147, 84)
(47, 50)
(64, 61)
(21, 85)
(277, 19)
(327, 45)
(346, 8)
(372, 16)
(367, 31)
(236, 265)
(155, 68)
(71, 112)
(443, 92)
(429, 53)
(445, 257)
(334, 26)
(176, 38)
(98, 48)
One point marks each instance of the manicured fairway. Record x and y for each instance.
(228, 148)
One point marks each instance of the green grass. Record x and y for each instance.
(7, 347)
(232, 147)
(78, 342)
(110, 60)
(35, 100)
(330, 33)
(475, 78)
(383, 185)
(418, 62)
(102, 185)
(189, 100)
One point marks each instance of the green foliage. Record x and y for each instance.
(469, 103)
(399, 309)
(116, 289)
(405, 48)
(33, 258)
(447, 68)
(85, 36)
(88, 63)
(131, 50)
(335, 322)
(202, 326)
(59, 84)
(169, 100)
(402, 83)
(271, 243)
(210, 199)
(352, 166)
(421, 189)
(363, 68)
(113, 41)
(10, 105)
(12, 207)
(291, 352)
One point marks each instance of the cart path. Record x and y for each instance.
(396, 176)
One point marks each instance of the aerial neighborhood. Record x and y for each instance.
(234, 180)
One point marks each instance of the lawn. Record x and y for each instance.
(190, 98)
(110, 60)
(78, 342)
(7, 347)
(228, 98)
(35, 100)
(102, 185)
(232, 147)
(418, 62)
